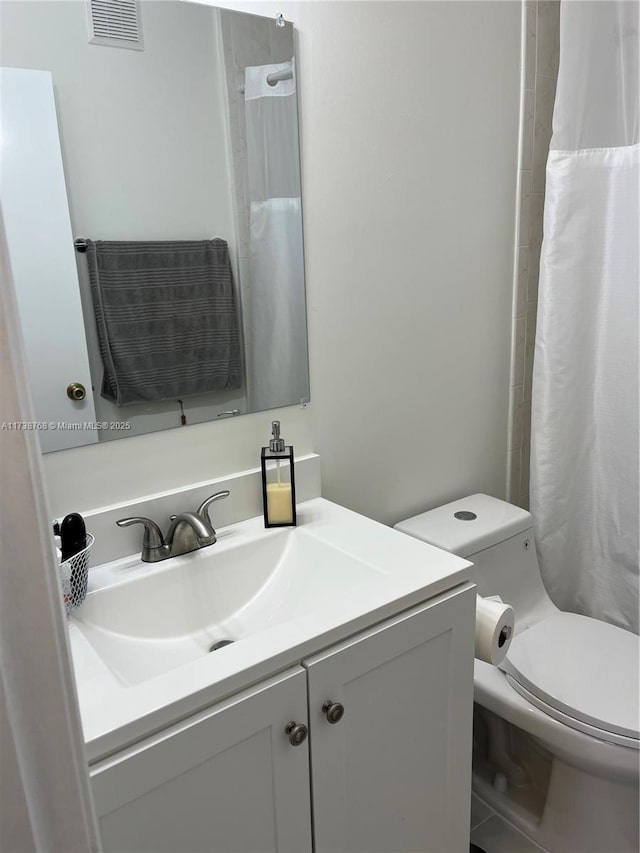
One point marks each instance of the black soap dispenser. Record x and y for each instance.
(278, 481)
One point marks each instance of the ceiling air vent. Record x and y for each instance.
(115, 23)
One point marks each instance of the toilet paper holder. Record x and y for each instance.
(505, 635)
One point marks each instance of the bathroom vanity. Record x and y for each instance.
(338, 719)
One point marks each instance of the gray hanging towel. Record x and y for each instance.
(166, 317)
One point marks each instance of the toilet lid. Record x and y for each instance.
(586, 669)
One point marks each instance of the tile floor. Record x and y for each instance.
(493, 834)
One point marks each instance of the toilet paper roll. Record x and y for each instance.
(494, 630)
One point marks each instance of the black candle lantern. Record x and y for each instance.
(278, 481)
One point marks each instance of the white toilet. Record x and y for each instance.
(556, 741)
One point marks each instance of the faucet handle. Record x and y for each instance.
(203, 509)
(152, 538)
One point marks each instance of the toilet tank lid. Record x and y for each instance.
(482, 521)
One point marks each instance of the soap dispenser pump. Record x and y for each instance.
(278, 481)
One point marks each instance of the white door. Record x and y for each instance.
(225, 781)
(394, 773)
(34, 205)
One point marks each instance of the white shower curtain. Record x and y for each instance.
(584, 459)
(274, 298)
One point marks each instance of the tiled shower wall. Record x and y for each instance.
(539, 77)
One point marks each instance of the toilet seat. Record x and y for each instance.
(583, 672)
(572, 722)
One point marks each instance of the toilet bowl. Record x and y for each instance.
(556, 725)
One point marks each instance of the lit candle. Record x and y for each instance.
(279, 503)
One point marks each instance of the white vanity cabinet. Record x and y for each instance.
(394, 774)
(391, 773)
(224, 780)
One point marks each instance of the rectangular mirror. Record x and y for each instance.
(151, 198)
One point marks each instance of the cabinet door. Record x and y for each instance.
(224, 780)
(394, 774)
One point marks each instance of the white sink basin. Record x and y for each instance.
(141, 641)
(151, 618)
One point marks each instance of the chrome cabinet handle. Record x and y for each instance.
(297, 733)
(334, 711)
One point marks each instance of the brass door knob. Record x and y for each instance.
(76, 391)
(297, 733)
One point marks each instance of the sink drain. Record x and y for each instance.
(220, 644)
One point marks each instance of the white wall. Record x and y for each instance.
(105, 474)
(409, 130)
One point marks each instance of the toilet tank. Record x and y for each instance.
(497, 538)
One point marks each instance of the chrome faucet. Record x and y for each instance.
(187, 532)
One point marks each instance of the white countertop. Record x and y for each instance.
(407, 572)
